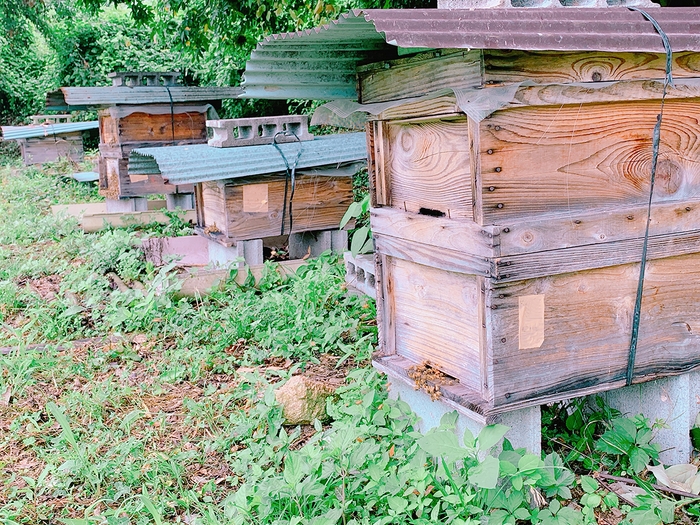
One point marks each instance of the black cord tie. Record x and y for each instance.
(289, 175)
(656, 140)
(172, 114)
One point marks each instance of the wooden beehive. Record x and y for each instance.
(37, 150)
(508, 248)
(252, 207)
(151, 125)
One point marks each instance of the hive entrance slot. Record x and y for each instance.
(431, 213)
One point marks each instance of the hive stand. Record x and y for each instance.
(360, 273)
(301, 246)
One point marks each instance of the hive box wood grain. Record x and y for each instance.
(151, 125)
(251, 208)
(38, 150)
(508, 249)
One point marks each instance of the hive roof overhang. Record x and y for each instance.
(46, 130)
(200, 163)
(320, 63)
(72, 98)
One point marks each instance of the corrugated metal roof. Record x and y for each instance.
(199, 163)
(75, 97)
(48, 130)
(320, 63)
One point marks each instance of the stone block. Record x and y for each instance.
(525, 423)
(183, 201)
(313, 244)
(248, 252)
(189, 250)
(673, 400)
(128, 205)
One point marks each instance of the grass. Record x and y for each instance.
(164, 410)
(140, 430)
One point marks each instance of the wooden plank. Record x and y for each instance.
(428, 167)
(554, 95)
(587, 322)
(458, 235)
(445, 105)
(597, 93)
(544, 233)
(93, 223)
(419, 75)
(470, 400)
(508, 66)
(384, 306)
(319, 204)
(213, 207)
(436, 319)
(143, 127)
(434, 256)
(378, 157)
(199, 205)
(577, 258)
(573, 158)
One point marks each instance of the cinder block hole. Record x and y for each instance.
(577, 3)
(351, 268)
(370, 280)
(245, 132)
(360, 274)
(528, 3)
(431, 213)
(294, 127)
(269, 130)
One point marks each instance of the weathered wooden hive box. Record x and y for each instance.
(49, 138)
(142, 109)
(510, 185)
(240, 191)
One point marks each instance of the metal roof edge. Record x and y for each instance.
(201, 163)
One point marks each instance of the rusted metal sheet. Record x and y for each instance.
(319, 63)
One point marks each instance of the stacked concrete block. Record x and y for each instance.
(230, 133)
(144, 78)
(360, 273)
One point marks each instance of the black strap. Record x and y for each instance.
(172, 113)
(290, 175)
(656, 140)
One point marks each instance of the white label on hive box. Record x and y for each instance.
(530, 321)
(255, 198)
(138, 178)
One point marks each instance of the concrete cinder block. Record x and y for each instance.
(525, 423)
(183, 201)
(190, 250)
(314, 243)
(140, 78)
(360, 273)
(128, 205)
(248, 252)
(674, 400)
(229, 133)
